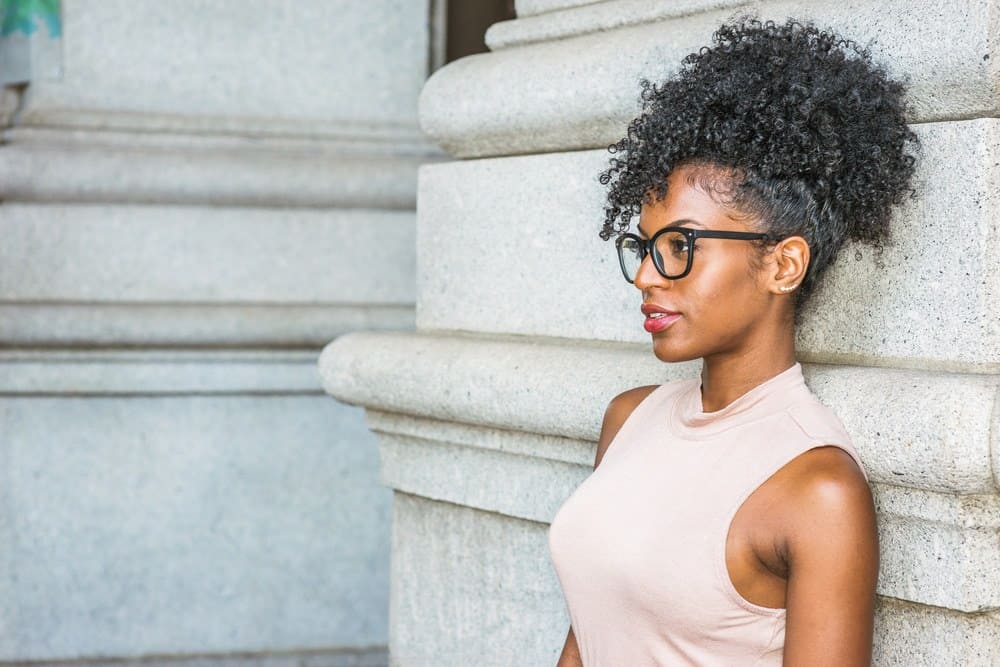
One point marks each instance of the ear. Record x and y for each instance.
(791, 259)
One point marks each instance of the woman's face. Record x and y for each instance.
(721, 305)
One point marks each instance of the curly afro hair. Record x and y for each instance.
(809, 134)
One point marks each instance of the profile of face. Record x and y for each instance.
(727, 303)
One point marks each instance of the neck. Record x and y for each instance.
(724, 378)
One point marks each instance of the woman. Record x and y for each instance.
(729, 520)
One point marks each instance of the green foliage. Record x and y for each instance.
(22, 15)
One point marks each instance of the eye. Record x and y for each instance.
(632, 249)
(678, 244)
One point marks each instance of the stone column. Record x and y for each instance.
(488, 414)
(194, 201)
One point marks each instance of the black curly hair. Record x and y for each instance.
(810, 135)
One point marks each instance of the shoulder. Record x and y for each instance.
(618, 410)
(830, 504)
(622, 405)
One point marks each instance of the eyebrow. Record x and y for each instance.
(675, 223)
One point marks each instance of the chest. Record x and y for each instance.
(667, 524)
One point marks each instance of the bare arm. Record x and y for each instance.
(833, 566)
(570, 656)
(620, 407)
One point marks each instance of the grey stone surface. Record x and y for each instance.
(171, 525)
(940, 565)
(136, 168)
(89, 324)
(199, 255)
(376, 657)
(580, 92)
(946, 559)
(241, 58)
(927, 430)
(909, 635)
(157, 372)
(594, 17)
(529, 7)
(471, 588)
(940, 549)
(980, 511)
(555, 448)
(534, 220)
(510, 484)
(550, 387)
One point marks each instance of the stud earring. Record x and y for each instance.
(785, 288)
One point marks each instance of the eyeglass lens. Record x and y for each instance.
(672, 250)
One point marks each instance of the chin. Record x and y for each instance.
(667, 353)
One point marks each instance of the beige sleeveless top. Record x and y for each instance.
(640, 546)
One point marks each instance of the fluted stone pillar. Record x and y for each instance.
(488, 414)
(194, 201)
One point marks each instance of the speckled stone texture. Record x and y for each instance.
(172, 525)
(594, 17)
(336, 658)
(580, 91)
(134, 274)
(529, 7)
(203, 254)
(300, 325)
(491, 232)
(240, 58)
(471, 588)
(133, 168)
(480, 467)
(908, 634)
(156, 372)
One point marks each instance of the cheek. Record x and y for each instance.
(725, 280)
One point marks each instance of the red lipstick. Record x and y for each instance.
(658, 318)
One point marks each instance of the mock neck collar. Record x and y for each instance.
(767, 398)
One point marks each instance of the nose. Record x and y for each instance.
(647, 275)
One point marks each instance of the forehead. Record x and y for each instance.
(687, 200)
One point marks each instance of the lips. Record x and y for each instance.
(658, 318)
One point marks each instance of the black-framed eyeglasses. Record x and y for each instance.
(671, 249)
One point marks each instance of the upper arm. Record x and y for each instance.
(833, 565)
(570, 656)
(620, 407)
